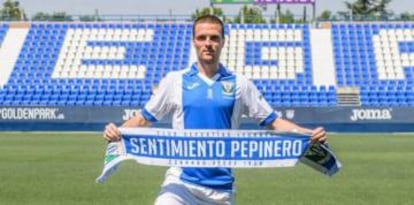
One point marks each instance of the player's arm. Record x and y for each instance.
(317, 135)
(112, 133)
(257, 107)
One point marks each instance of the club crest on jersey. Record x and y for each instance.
(228, 88)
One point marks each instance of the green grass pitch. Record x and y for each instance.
(60, 168)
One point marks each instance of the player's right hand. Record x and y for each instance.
(111, 133)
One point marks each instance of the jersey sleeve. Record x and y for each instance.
(160, 102)
(255, 106)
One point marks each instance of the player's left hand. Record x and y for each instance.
(319, 135)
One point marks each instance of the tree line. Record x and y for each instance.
(357, 10)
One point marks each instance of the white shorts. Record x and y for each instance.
(176, 192)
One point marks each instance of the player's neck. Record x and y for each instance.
(207, 69)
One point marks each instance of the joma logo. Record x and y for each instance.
(371, 114)
(129, 113)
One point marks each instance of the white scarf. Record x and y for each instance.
(217, 148)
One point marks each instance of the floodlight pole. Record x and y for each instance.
(278, 13)
(242, 14)
(96, 15)
(314, 11)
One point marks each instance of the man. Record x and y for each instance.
(206, 96)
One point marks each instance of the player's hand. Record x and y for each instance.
(319, 135)
(111, 133)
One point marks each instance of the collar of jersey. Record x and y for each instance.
(222, 71)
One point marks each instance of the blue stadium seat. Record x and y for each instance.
(31, 81)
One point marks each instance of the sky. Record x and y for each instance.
(175, 7)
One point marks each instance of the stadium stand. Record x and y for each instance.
(376, 58)
(278, 59)
(116, 64)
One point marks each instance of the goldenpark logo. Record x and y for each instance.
(31, 114)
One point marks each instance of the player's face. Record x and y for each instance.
(208, 42)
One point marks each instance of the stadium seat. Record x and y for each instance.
(116, 64)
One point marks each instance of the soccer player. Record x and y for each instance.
(206, 96)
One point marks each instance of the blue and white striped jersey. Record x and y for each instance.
(198, 102)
